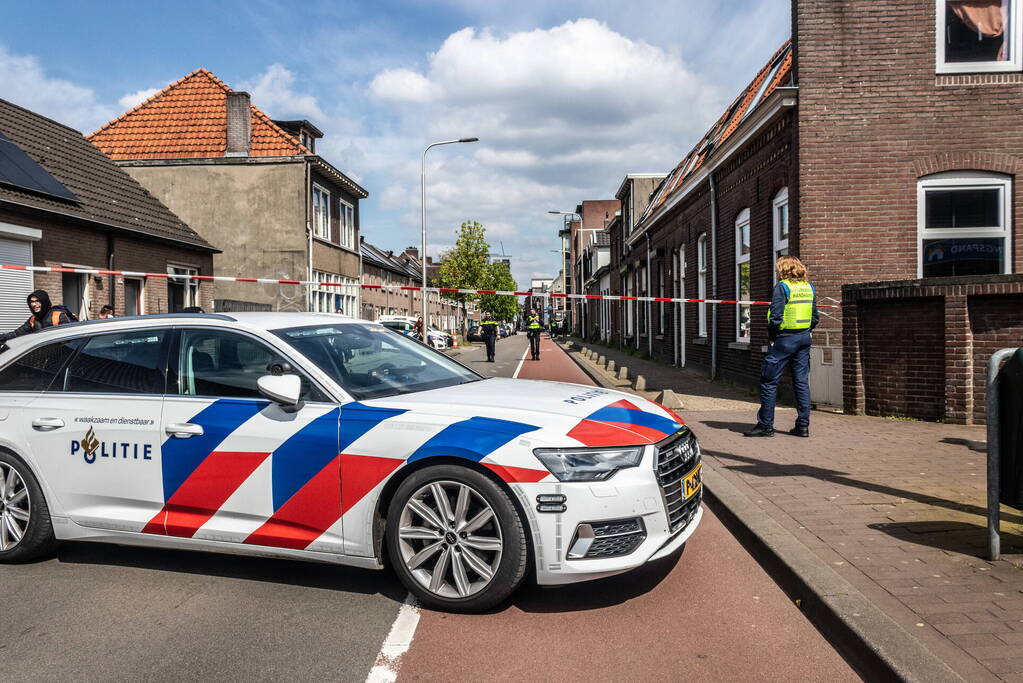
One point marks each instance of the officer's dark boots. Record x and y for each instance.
(759, 431)
(800, 431)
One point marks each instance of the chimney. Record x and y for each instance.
(412, 252)
(239, 124)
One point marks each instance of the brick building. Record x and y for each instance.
(64, 204)
(880, 146)
(253, 186)
(386, 267)
(593, 216)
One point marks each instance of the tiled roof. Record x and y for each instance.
(105, 193)
(776, 73)
(396, 263)
(188, 119)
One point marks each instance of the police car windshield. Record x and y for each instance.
(371, 361)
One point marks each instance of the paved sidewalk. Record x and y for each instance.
(897, 508)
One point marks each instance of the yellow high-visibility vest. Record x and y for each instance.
(798, 311)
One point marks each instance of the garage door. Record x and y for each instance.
(15, 285)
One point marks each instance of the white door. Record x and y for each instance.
(95, 435)
(15, 285)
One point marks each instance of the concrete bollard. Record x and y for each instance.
(623, 372)
(669, 399)
(640, 383)
(611, 367)
(601, 360)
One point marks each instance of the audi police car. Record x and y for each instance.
(319, 437)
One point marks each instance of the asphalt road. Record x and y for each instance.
(103, 612)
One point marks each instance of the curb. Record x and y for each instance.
(873, 643)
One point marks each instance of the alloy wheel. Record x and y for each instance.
(15, 507)
(450, 539)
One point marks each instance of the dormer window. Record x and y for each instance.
(308, 141)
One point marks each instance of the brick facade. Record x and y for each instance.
(919, 348)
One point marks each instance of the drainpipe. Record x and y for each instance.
(309, 236)
(110, 266)
(714, 279)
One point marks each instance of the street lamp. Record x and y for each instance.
(426, 318)
(570, 303)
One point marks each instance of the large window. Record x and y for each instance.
(780, 226)
(977, 36)
(347, 219)
(701, 283)
(321, 213)
(963, 224)
(742, 282)
(127, 363)
(337, 294)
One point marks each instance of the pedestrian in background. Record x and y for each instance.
(417, 329)
(106, 312)
(533, 329)
(44, 314)
(489, 327)
(790, 320)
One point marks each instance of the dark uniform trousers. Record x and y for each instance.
(490, 339)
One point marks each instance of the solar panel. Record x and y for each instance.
(18, 169)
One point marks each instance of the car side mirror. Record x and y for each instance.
(284, 390)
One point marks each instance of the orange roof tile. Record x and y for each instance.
(188, 119)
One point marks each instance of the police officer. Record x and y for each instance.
(489, 327)
(791, 317)
(44, 314)
(533, 328)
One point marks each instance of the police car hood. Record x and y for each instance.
(557, 412)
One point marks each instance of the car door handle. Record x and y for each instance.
(47, 424)
(183, 430)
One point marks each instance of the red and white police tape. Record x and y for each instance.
(402, 288)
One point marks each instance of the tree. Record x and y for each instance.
(466, 265)
(502, 307)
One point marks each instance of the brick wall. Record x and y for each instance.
(920, 347)
(71, 246)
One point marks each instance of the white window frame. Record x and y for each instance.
(321, 214)
(1014, 63)
(191, 285)
(742, 221)
(701, 284)
(346, 219)
(779, 208)
(964, 180)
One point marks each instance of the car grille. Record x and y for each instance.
(675, 459)
(612, 538)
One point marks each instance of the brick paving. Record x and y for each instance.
(897, 508)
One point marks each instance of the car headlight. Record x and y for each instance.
(588, 464)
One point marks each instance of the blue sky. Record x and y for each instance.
(566, 97)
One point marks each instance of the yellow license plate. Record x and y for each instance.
(692, 482)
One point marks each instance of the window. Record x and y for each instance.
(644, 307)
(347, 218)
(126, 363)
(661, 324)
(780, 226)
(701, 283)
(630, 306)
(337, 294)
(742, 281)
(963, 224)
(227, 364)
(36, 369)
(182, 292)
(977, 36)
(321, 213)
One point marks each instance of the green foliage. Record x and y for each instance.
(501, 307)
(465, 266)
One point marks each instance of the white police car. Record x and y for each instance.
(324, 438)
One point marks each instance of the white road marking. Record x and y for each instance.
(518, 367)
(385, 668)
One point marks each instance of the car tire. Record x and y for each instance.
(21, 496)
(467, 551)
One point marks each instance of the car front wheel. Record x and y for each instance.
(25, 529)
(455, 539)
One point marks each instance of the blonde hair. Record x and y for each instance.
(791, 268)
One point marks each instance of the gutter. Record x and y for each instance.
(713, 279)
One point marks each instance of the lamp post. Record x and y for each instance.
(570, 303)
(426, 317)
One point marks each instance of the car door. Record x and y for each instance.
(236, 467)
(94, 433)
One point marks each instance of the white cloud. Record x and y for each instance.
(273, 91)
(24, 82)
(133, 99)
(402, 85)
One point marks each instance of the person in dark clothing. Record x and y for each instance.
(489, 327)
(533, 329)
(791, 318)
(44, 314)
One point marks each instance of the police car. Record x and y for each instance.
(318, 437)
